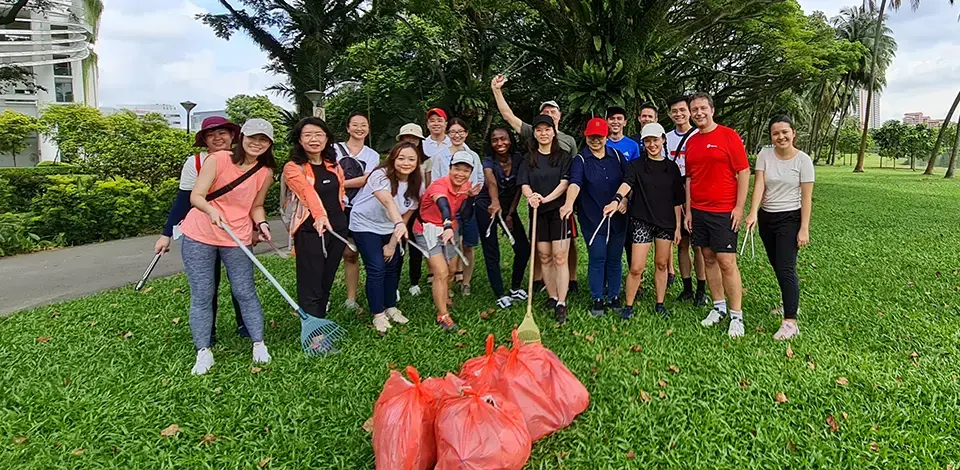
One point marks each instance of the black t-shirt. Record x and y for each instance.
(507, 185)
(328, 188)
(657, 189)
(545, 178)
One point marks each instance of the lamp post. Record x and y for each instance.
(188, 105)
(315, 97)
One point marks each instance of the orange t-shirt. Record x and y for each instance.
(234, 206)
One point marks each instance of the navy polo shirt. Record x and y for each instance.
(506, 184)
(599, 180)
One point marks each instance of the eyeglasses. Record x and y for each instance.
(309, 137)
(461, 132)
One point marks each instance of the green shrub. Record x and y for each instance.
(26, 184)
(16, 236)
(8, 198)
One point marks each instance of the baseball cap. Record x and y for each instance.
(596, 126)
(411, 129)
(211, 123)
(543, 119)
(614, 110)
(652, 130)
(462, 157)
(438, 112)
(257, 126)
(549, 103)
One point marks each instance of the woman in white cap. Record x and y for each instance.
(435, 229)
(216, 134)
(230, 191)
(658, 196)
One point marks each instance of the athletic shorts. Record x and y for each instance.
(712, 230)
(447, 250)
(551, 228)
(643, 232)
(468, 230)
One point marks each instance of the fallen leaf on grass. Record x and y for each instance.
(92, 324)
(844, 415)
(484, 316)
(674, 369)
(273, 324)
(175, 291)
(255, 370)
(744, 384)
(588, 338)
(760, 329)
(78, 452)
(460, 345)
(832, 422)
(663, 395)
(20, 440)
(812, 366)
(208, 439)
(599, 357)
(264, 462)
(562, 455)
(576, 333)
(170, 431)
(392, 365)
(368, 425)
(176, 321)
(789, 352)
(842, 381)
(874, 447)
(899, 380)
(645, 396)
(128, 335)
(55, 315)
(780, 397)
(791, 446)
(66, 381)
(148, 289)
(914, 356)
(43, 339)
(631, 455)
(217, 390)
(669, 332)
(636, 372)
(636, 348)
(662, 383)
(462, 332)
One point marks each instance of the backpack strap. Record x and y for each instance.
(682, 141)
(197, 162)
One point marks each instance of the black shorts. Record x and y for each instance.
(712, 230)
(642, 232)
(551, 228)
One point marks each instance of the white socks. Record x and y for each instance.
(204, 362)
(260, 353)
(720, 306)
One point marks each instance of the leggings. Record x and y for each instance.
(491, 250)
(778, 231)
(316, 272)
(216, 294)
(199, 261)
(416, 258)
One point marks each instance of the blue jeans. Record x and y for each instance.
(469, 229)
(605, 267)
(383, 276)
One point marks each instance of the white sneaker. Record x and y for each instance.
(204, 362)
(414, 290)
(787, 330)
(398, 295)
(713, 318)
(736, 328)
(260, 353)
(504, 302)
(381, 323)
(396, 316)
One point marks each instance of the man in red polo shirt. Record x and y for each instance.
(718, 176)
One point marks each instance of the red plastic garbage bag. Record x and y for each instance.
(444, 388)
(485, 370)
(569, 394)
(403, 424)
(481, 430)
(521, 382)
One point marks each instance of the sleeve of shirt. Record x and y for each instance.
(576, 171)
(630, 176)
(297, 182)
(526, 133)
(523, 173)
(738, 153)
(181, 206)
(188, 175)
(477, 169)
(806, 169)
(761, 164)
(373, 161)
(565, 162)
(378, 182)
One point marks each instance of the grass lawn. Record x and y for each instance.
(878, 358)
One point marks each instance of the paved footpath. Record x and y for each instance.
(37, 279)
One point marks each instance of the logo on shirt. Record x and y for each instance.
(711, 146)
(325, 181)
(406, 202)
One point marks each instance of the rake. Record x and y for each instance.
(318, 336)
(608, 219)
(503, 224)
(743, 247)
(528, 332)
(146, 274)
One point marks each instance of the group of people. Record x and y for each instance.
(434, 197)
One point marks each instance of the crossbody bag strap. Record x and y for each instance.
(233, 184)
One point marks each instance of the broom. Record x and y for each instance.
(318, 336)
(528, 332)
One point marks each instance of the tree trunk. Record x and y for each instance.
(943, 130)
(817, 120)
(952, 166)
(873, 73)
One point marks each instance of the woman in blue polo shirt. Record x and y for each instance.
(595, 175)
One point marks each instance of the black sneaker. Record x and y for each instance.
(701, 300)
(560, 313)
(518, 294)
(662, 311)
(598, 308)
(572, 287)
(685, 296)
(626, 312)
(551, 303)
(614, 304)
(538, 286)
(670, 280)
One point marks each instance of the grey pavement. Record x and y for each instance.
(38, 279)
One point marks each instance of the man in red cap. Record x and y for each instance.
(437, 141)
(216, 134)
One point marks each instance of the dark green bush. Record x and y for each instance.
(26, 184)
(16, 235)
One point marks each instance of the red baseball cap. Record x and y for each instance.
(597, 126)
(438, 112)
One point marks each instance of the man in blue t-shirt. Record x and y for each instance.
(617, 122)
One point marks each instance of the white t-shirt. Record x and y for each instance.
(673, 140)
(367, 156)
(441, 166)
(782, 180)
(188, 175)
(432, 147)
(369, 215)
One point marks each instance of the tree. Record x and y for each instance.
(242, 107)
(943, 128)
(952, 165)
(14, 130)
(75, 128)
(891, 139)
(848, 137)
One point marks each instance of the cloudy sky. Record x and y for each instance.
(156, 52)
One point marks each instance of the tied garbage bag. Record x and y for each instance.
(481, 430)
(566, 391)
(485, 370)
(522, 383)
(403, 424)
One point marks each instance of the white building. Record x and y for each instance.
(56, 45)
(197, 117)
(861, 107)
(173, 114)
